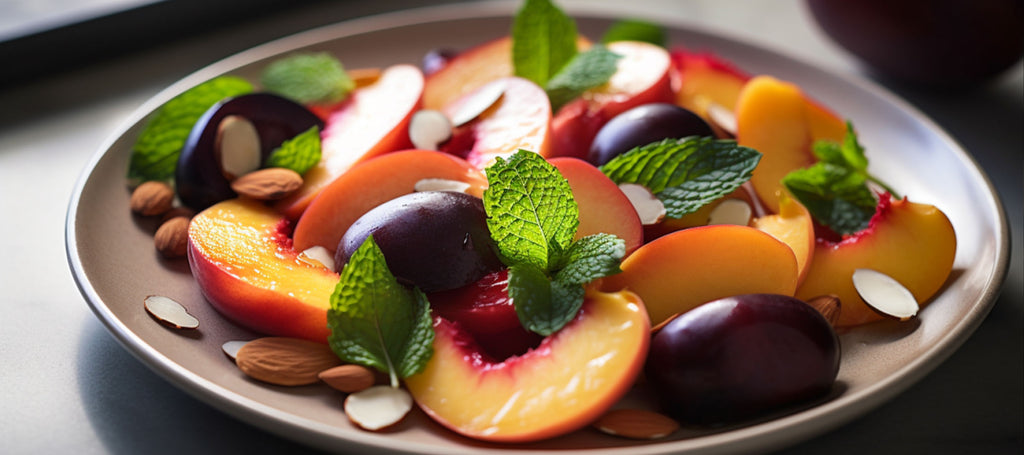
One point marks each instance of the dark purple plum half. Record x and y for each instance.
(199, 178)
(643, 125)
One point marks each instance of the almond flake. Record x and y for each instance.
(231, 348)
(378, 407)
(441, 185)
(731, 211)
(238, 144)
(428, 129)
(884, 294)
(649, 208)
(478, 103)
(170, 312)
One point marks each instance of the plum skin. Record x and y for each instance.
(742, 357)
(435, 240)
(643, 125)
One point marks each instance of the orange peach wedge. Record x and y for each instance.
(794, 227)
(564, 384)
(374, 182)
(603, 207)
(679, 271)
(242, 259)
(705, 79)
(913, 243)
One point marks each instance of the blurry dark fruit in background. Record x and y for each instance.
(936, 43)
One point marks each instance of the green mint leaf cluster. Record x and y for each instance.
(308, 78)
(835, 189)
(635, 30)
(685, 174)
(155, 153)
(533, 219)
(299, 153)
(544, 51)
(586, 70)
(376, 321)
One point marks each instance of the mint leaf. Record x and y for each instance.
(299, 153)
(311, 78)
(543, 41)
(531, 213)
(635, 30)
(543, 306)
(377, 322)
(155, 153)
(592, 257)
(586, 70)
(835, 189)
(685, 174)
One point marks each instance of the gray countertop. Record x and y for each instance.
(69, 387)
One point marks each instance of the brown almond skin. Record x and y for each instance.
(171, 238)
(267, 184)
(829, 306)
(348, 378)
(636, 424)
(151, 198)
(285, 361)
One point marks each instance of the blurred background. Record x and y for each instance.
(71, 71)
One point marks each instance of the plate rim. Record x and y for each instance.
(813, 421)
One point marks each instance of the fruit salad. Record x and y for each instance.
(509, 236)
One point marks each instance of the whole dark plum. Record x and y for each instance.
(199, 177)
(435, 240)
(741, 357)
(643, 125)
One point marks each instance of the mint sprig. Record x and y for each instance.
(635, 30)
(586, 70)
(835, 189)
(375, 321)
(155, 153)
(308, 78)
(533, 219)
(543, 41)
(299, 153)
(685, 174)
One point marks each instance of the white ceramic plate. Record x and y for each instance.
(113, 261)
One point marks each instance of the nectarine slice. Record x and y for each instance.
(679, 271)
(573, 377)
(776, 118)
(243, 261)
(911, 242)
(374, 120)
(467, 72)
(603, 208)
(705, 79)
(794, 227)
(371, 183)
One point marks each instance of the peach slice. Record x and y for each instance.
(679, 271)
(911, 242)
(603, 207)
(374, 120)
(371, 183)
(775, 118)
(243, 261)
(520, 119)
(565, 383)
(793, 226)
(643, 76)
(467, 72)
(706, 79)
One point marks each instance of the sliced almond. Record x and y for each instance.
(348, 378)
(478, 103)
(428, 129)
(378, 407)
(884, 294)
(723, 119)
(636, 424)
(828, 305)
(268, 184)
(285, 361)
(151, 198)
(317, 256)
(441, 185)
(170, 312)
(650, 209)
(731, 211)
(231, 348)
(171, 238)
(238, 144)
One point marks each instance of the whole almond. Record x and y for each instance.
(285, 361)
(171, 238)
(176, 212)
(151, 198)
(267, 184)
(348, 378)
(636, 424)
(828, 305)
